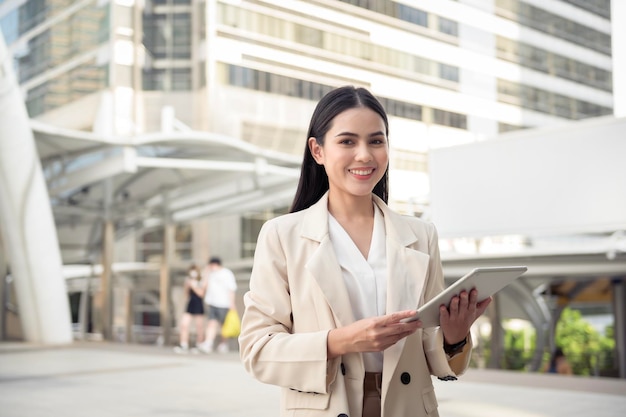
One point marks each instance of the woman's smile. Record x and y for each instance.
(361, 172)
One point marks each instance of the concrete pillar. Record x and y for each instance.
(129, 316)
(165, 286)
(497, 334)
(26, 221)
(84, 309)
(106, 281)
(619, 307)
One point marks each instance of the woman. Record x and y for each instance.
(332, 281)
(194, 289)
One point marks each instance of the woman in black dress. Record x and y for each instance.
(194, 310)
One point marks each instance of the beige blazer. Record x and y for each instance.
(297, 295)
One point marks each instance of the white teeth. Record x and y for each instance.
(361, 172)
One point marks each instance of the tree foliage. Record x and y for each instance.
(588, 351)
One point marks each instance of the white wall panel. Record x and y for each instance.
(569, 179)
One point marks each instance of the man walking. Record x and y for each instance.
(219, 296)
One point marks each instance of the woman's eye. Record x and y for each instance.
(346, 141)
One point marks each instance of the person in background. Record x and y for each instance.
(333, 280)
(194, 290)
(559, 363)
(220, 290)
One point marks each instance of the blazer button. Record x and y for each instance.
(343, 369)
(405, 378)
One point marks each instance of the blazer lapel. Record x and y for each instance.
(406, 275)
(406, 267)
(323, 263)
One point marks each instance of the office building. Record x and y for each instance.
(448, 72)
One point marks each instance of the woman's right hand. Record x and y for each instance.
(373, 334)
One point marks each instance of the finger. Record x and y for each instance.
(473, 296)
(444, 314)
(463, 301)
(454, 306)
(397, 316)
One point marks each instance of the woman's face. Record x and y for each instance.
(355, 153)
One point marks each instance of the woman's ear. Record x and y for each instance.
(316, 151)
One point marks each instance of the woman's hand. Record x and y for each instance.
(457, 320)
(373, 334)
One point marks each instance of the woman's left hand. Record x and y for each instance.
(456, 320)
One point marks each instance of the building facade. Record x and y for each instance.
(448, 72)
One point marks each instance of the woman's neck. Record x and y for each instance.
(350, 207)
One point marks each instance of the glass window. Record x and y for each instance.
(167, 35)
(9, 24)
(449, 27)
(422, 66)
(448, 72)
(181, 36)
(599, 7)
(32, 13)
(401, 108)
(411, 15)
(548, 102)
(306, 35)
(309, 36)
(181, 79)
(558, 26)
(446, 118)
(72, 85)
(153, 79)
(155, 35)
(554, 64)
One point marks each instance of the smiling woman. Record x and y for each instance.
(356, 154)
(333, 280)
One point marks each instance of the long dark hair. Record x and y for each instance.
(313, 179)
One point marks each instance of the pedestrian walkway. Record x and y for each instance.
(101, 379)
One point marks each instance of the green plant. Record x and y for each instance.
(586, 349)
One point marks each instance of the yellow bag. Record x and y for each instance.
(232, 324)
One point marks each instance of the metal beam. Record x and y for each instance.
(98, 171)
(260, 166)
(239, 202)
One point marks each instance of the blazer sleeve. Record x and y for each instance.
(269, 350)
(440, 364)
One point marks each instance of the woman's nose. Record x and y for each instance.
(363, 153)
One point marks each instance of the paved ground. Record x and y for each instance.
(97, 379)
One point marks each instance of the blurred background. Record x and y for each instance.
(140, 136)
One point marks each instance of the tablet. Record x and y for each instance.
(487, 281)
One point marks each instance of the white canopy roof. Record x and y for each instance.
(141, 181)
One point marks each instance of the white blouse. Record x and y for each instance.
(365, 279)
